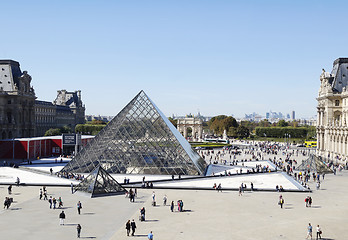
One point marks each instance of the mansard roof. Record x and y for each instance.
(339, 74)
(9, 75)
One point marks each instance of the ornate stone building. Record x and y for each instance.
(17, 97)
(332, 128)
(195, 124)
(23, 116)
(66, 110)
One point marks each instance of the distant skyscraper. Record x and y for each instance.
(267, 115)
(293, 115)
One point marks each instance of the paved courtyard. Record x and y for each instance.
(207, 215)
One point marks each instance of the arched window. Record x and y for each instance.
(3, 135)
(9, 117)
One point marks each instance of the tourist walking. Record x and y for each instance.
(60, 202)
(78, 228)
(165, 200)
(281, 201)
(172, 206)
(61, 218)
(45, 194)
(150, 236)
(153, 199)
(18, 181)
(79, 206)
(133, 226)
(72, 188)
(51, 171)
(309, 231)
(50, 201)
(7, 202)
(219, 188)
(240, 191)
(142, 214)
(9, 189)
(54, 200)
(128, 227)
(40, 196)
(319, 232)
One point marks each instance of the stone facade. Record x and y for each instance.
(332, 128)
(195, 124)
(66, 110)
(17, 97)
(23, 116)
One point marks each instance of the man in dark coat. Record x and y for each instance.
(133, 226)
(62, 218)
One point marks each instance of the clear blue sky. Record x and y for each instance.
(221, 57)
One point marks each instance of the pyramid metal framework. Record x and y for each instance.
(100, 183)
(314, 164)
(139, 140)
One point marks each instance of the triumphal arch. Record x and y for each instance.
(195, 124)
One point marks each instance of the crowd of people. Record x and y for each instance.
(70, 175)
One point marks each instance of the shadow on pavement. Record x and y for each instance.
(63, 207)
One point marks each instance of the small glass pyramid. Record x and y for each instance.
(314, 164)
(100, 183)
(139, 140)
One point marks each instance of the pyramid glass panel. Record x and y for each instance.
(100, 183)
(139, 140)
(314, 164)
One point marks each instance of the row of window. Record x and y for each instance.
(44, 119)
(47, 110)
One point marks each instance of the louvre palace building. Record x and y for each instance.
(332, 130)
(22, 115)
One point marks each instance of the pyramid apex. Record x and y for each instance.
(139, 140)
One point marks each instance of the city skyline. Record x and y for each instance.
(219, 58)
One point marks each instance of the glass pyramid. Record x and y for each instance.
(314, 164)
(139, 140)
(100, 183)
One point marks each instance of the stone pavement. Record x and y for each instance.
(208, 215)
(213, 215)
(30, 218)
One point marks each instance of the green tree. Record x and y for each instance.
(173, 121)
(53, 132)
(264, 123)
(282, 123)
(66, 129)
(97, 122)
(312, 132)
(242, 132)
(293, 124)
(232, 132)
(222, 122)
(89, 129)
